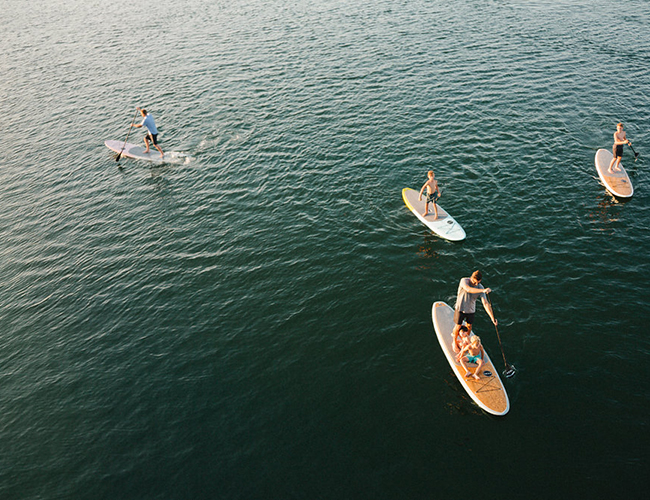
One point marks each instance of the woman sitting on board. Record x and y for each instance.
(619, 141)
(462, 339)
(472, 353)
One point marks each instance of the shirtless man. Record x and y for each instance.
(619, 141)
(470, 289)
(433, 193)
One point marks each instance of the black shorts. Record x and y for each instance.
(459, 316)
(153, 137)
(618, 150)
(433, 197)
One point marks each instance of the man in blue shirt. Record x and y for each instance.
(152, 134)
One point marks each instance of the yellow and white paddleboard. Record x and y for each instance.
(444, 226)
(617, 183)
(488, 392)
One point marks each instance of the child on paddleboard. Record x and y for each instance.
(619, 141)
(433, 194)
(472, 353)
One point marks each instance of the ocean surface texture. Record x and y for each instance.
(255, 321)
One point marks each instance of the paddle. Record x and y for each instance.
(117, 158)
(636, 155)
(510, 369)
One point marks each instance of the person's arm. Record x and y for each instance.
(619, 142)
(422, 191)
(488, 308)
(137, 125)
(471, 289)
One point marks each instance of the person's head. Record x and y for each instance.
(475, 340)
(477, 276)
(619, 126)
(463, 330)
(143, 112)
(431, 174)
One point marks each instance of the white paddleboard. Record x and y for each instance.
(137, 151)
(617, 183)
(488, 392)
(444, 226)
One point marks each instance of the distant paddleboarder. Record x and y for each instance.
(620, 140)
(470, 289)
(152, 131)
(433, 193)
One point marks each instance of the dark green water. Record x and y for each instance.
(255, 323)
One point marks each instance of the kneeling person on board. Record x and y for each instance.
(469, 289)
(472, 353)
(152, 134)
(619, 141)
(433, 193)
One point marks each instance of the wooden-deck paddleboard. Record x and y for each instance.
(617, 183)
(444, 226)
(137, 152)
(488, 392)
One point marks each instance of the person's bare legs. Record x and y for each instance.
(468, 373)
(616, 168)
(478, 369)
(454, 336)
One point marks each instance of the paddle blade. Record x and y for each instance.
(509, 372)
(117, 158)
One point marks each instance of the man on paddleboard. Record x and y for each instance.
(470, 289)
(433, 193)
(152, 134)
(619, 141)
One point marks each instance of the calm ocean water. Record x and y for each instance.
(255, 323)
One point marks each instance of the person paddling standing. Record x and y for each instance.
(620, 140)
(470, 289)
(150, 125)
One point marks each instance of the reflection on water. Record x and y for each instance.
(427, 249)
(608, 210)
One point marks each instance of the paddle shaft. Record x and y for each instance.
(127, 136)
(508, 367)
